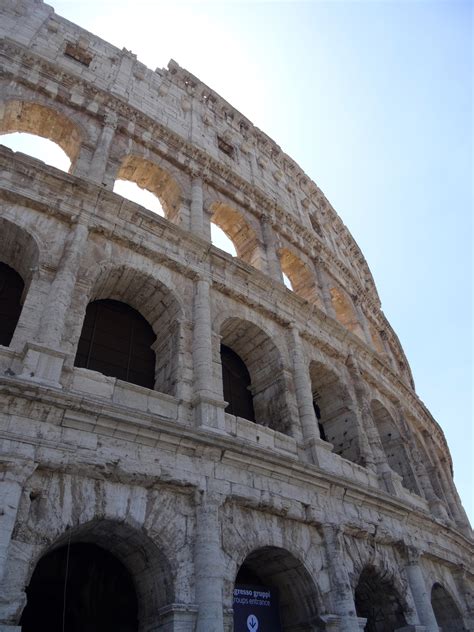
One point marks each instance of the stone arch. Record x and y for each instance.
(264, 363)
(346, 313)
(157, 303)
(19, 257)
(240, 231)
(377, 600)
(150, 176)
(275, 568)
(147, 565)
(19, 249)
(394, 445)
(447, 613)
(335, 411)
(301, 278)
(34, 118)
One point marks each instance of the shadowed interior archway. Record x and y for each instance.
(80, 587)
(377, 601)
(111, 566)
(301, 278)
(446, 611)
(277, 569)
(262, 360)
(334, 411)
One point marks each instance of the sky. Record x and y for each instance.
(374, 100)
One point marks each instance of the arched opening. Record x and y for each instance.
(158, 305)
(134, 193)
(11, 291)
(117, 341)
(377, 601)
(274, 586)
(39, 120)
(220, 240)
(446, 611)
(300, 277)
(345, 311)
(334, 411)
(239, 232)
(80, 587)
(149, 177)
(37, 147)
(393, 445)
(263, 363)
(236, 384)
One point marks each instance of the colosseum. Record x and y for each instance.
(187, 443)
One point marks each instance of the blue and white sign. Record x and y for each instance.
(256, 609)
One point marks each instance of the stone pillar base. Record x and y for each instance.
(42, 364)
(176, 617)
(209, 413)
(9, 628)
(411, 628)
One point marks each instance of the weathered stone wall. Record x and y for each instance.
(180, 491)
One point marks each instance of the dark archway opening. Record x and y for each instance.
(11, 290)
(377, 601)
(236, 384)
(80, 588)
(117, 341)
(275, 587)
(446, 612)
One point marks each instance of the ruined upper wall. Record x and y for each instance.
(172, 112)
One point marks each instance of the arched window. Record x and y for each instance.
(11, 290)
(116, 340)
(80, 587)
(37, 147)
(236, 383)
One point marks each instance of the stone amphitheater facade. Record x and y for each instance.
(337, 492)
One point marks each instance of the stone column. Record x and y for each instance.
(59, 300)
(208, 564)
(363, 323)
(452, 497)
(44, 358)
(342, 598)
(98, 165)
(13, 475)
(208, 406)
(304, 397)
(421, 596)
(197, 213)
(273, 261)
(466, 589)
(324, 288)
(371, 446)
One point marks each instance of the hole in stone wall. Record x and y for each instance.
(287, 282)
(37, 147)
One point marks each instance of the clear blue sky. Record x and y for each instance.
(374, 101)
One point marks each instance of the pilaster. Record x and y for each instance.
(208, 564)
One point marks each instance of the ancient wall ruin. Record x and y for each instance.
(338, 491)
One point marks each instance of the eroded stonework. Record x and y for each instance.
(339, 491)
